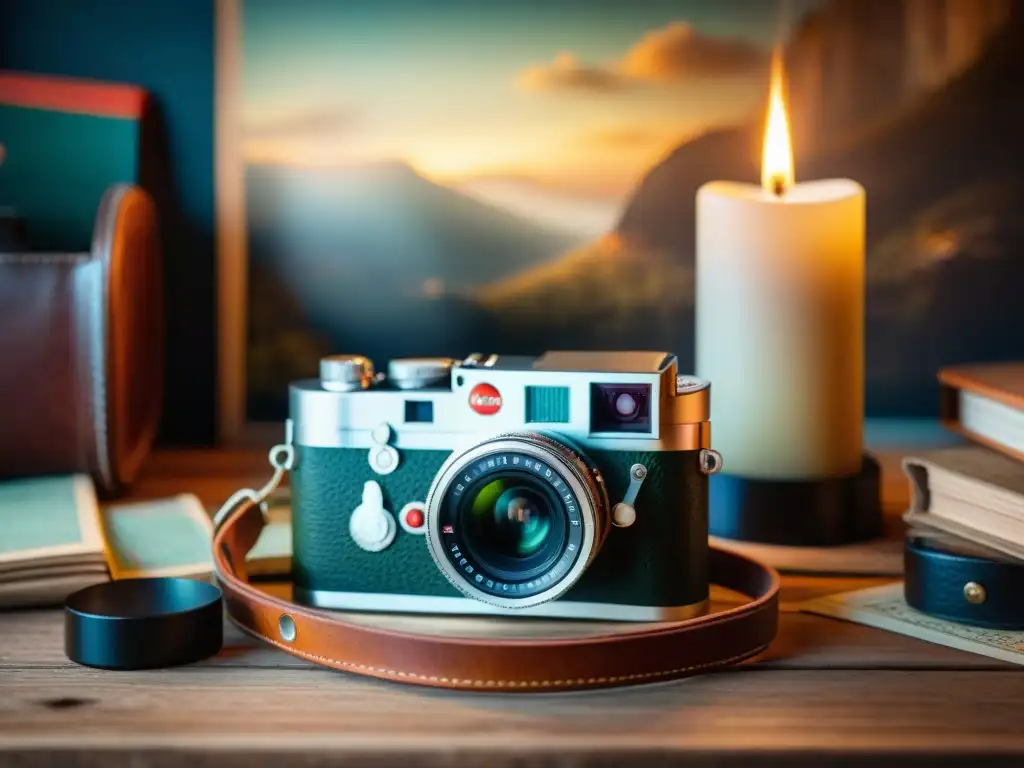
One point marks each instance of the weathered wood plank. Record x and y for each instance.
(318, 710)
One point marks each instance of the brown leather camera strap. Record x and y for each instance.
(662, 652)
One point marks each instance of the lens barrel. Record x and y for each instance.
(515, 520)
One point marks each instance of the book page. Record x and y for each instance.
(885, 608)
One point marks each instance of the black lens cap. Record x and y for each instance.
(143, 623)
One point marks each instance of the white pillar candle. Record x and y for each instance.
(780, 315)
(780, 326)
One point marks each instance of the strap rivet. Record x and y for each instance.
(974, 593)
(286, 626)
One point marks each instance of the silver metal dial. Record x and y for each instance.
(419, 372)
(346, 373)
(687, 384)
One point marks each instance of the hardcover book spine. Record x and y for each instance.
(957, 399)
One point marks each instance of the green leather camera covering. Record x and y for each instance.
(661, 560)
(327, 486)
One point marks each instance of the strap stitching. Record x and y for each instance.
(766, 599)
(499, 683)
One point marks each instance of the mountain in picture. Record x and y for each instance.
(430, 180)
(365, 222)
(340, 256)
(937, 147)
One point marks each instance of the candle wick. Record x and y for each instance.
(778, 186)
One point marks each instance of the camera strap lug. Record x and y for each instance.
(282, 459)
(710, 461)
(382, 457)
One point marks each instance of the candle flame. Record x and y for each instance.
(777, 161)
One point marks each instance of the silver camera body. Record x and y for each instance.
(570, 484)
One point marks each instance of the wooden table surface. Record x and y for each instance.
(826, 692)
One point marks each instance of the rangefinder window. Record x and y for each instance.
(419, 412)
(620, 408)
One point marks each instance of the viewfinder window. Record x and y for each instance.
(620, 408)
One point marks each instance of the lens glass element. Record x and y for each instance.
(513, 523)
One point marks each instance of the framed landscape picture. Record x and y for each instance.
(400, 178)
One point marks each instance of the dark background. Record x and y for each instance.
(167, 48)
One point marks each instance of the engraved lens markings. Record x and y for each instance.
(492, 465)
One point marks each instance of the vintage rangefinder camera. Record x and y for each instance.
(573, 484)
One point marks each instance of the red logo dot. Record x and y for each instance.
(414, 518)
(485, 399)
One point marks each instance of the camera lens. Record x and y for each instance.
(513, 525)
(515, 520)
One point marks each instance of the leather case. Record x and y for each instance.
(81, 350)
(960, 581)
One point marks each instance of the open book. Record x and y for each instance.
(55, 538)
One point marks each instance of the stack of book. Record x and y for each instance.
(51, 539)
(976, 491)
(55, 538)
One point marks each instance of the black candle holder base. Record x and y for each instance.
(798, 513)
(12, 231)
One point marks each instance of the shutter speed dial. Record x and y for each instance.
(419, 372)
(346, 373)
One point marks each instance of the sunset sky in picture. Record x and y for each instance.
(570, 95)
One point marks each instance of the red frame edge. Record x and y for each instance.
(62, 94)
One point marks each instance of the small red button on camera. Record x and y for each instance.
(412, 517)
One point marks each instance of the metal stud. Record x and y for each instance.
(974, 593)
(286, 626)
